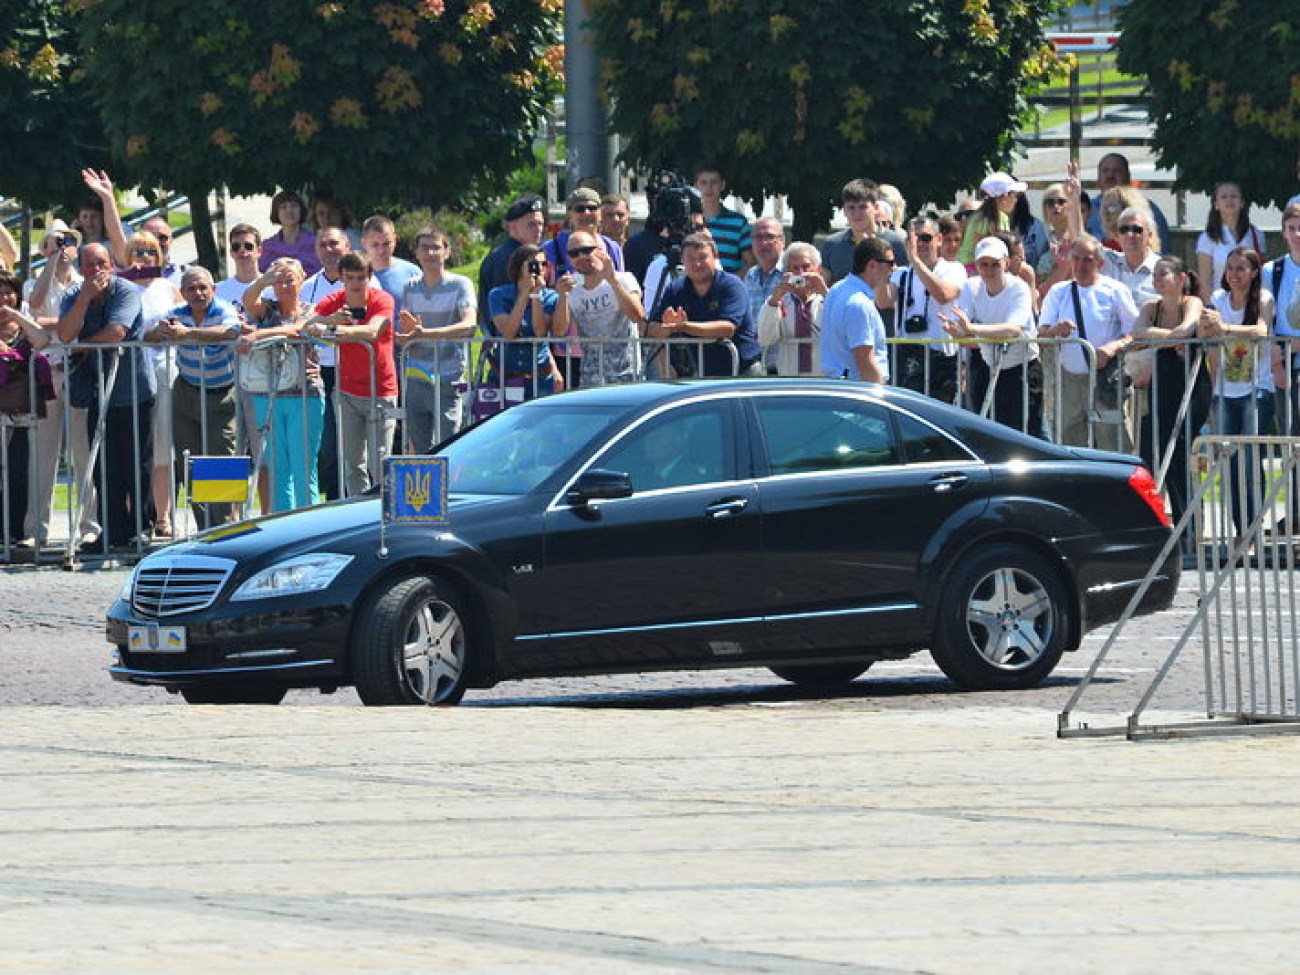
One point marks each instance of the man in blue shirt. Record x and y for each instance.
(708, 303)
(853, 333)
(104, 309)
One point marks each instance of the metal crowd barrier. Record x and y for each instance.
(84, 481)
(1247, 614)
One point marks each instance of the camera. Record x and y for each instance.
(797, 281)
(915, 323)
(674, 202)
(534, 267)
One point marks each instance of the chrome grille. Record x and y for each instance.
(179, 584)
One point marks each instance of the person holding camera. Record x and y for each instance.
(525, 308)
(922, 294)
(789, 321)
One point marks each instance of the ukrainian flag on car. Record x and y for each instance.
(219, 478)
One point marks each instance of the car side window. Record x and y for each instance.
(682, 446)
(923, 444)
(806, 434)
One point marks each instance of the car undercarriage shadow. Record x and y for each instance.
(863, 690)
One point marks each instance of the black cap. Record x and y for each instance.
(524, 206)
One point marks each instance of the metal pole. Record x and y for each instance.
(587, 152)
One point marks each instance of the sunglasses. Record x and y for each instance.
(584, 208)
(925, 238)
(581, 251)
(144, 252)
(163, 238)
(242, 245)
(962, 214)
(1132, 228)
(65, 241)
(885, 260)
(1054, 203)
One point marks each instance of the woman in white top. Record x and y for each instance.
(1238, 317)
(158, 297)
(1227, 227)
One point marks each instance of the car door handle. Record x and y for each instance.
(943, 483)
(725, 509)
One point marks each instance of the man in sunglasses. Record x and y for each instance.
(582, 216)
(604, 304)
(918, 299)
(245, 250)
(853, 333)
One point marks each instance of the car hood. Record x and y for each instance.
(345, 524)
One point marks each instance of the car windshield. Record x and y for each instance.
(519, 449)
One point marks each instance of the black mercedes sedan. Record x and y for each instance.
(811, 527)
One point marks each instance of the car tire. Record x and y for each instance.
(827, 676)
(411, 645)
(1004, 620)
(234, 694)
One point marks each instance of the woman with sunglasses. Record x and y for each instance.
(158, 297)
(525, 308)
(1227, 227)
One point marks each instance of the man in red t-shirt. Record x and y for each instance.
(360, 319)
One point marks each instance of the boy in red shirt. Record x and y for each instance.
(360, 319)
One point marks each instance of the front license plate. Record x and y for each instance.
(152, 638)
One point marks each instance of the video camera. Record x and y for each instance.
(673, 201)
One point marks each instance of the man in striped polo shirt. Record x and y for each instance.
(203, 396)
(730, 229)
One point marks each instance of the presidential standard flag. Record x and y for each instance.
(214, 479)
(415, 490)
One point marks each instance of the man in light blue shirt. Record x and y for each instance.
(853, 333)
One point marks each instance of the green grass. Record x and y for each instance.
(1089, 77)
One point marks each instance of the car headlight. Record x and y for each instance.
(128, 587)
(306, 573)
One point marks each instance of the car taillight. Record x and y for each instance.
(1144, 484)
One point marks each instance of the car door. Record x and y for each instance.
(672, 573)
(855, 494)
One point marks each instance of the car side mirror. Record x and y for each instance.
(596, 485)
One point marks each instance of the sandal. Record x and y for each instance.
(163, 530)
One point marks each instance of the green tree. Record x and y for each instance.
(49, 128)
(405, 100)
(1224, 78)
(796, 98)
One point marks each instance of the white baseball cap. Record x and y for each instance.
(1000, 184)
(992, 247)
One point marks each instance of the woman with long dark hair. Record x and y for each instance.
(1227, 227)
(1237, 318)
(1174, 417)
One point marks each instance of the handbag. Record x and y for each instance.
(16, 383)
(277, 365)
(489, 395)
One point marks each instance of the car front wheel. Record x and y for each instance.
(410, 645)
(1004, 620)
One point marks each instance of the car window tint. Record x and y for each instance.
(923, 444)
(825, 434)
(683, 446)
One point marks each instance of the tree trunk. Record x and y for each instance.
(204, 242)
(811, 215)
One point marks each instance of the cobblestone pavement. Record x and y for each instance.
(749, 838)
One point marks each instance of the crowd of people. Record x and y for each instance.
(324, 351)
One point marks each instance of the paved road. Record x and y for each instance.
(51, 627)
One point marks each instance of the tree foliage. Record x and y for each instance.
(382, 102)
(1224, 77)
(796, 98)
(49, 128)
